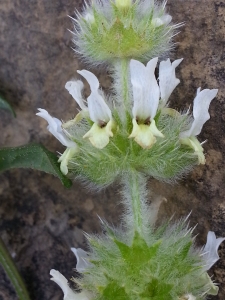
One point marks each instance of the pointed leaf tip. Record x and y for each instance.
(34, 156)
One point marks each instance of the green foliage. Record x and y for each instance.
(11, 270)
(32, 156)
(115, 33)
(5, 105)
(161, 265)
(167, 160)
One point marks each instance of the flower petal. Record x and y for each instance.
(91, 79)
(167, 79)
(200, 111)
(144, 135)
(81, 257)
(145, 89)
(65, 158)
(75, 87)
(98, 109)
(99, 137)
(54, 126)
(69, 294)
(211, 256)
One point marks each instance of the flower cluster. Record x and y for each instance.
(110, 30)
(154, 127)
(135, 269)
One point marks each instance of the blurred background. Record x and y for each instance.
(39, 219)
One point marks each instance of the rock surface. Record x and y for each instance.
(40, 219)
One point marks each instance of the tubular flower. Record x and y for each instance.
(146, 101)
(69, 294)
(55, 127)
(97, 110)
(201, 115)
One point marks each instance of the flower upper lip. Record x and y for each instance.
(55, 127)
(97, 109)
(145, 89)
(200, 111)
(75, 87)
(210, 254)
(167, 79)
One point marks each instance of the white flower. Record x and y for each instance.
(167, 79)
(146, 101)
(69, 294)
(210, 254)
(201, 115)
(99, 113)
(81, 257)
(55, 127)
(97, 109)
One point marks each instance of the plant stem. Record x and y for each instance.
(134, 195)
(122, 87)
(136, 200)
(12, 272)
(125, 82)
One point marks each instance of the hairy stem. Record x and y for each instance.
(125, 82)
(134, 196)
(9, 266)
(122, 86)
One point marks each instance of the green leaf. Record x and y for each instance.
(5, 105)
(11, 270)
(32, 156)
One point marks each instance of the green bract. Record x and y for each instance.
(106, 31)
(161, 265)
(166, 160)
